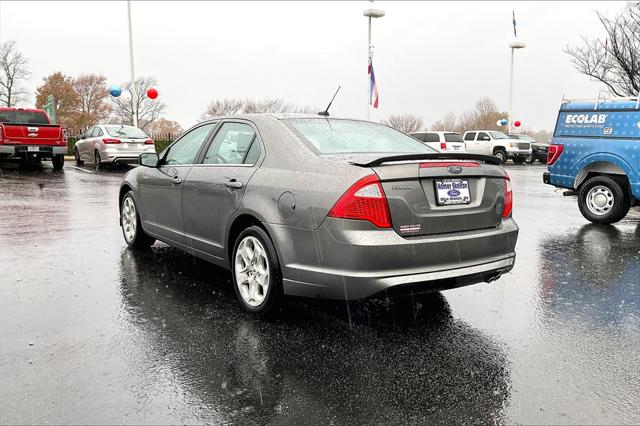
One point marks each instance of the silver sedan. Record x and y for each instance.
(112, 143)
(312, 206)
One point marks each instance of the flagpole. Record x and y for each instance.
(370, 14)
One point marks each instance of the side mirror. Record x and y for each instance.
(149, 159)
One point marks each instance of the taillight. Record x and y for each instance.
(443, 146)
(64, 136)
(148, 142)
(508, 197)
(365, 200)
(110, 141)
(554, 153)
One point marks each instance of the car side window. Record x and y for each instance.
(89, 133)
(233, 144)
(185, 150)
(470, 136)
(482, 135)
(97, 132)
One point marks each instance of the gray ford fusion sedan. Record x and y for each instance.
(312, 206)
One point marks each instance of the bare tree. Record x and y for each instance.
(221, 107)
(93, 100)
(616, 61)
(148, 109)
(448, 122)
(163, 126)
(483, 116)
(60, 86)
(404, 122)
(229, 106)
(14, 72)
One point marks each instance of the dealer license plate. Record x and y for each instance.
(33, 148)
(452, 191)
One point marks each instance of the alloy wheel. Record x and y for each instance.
(129, 219)
(252, 271)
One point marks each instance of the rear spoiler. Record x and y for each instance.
(438, 156)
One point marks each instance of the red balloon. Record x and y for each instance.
(152, 93)
(516, 123)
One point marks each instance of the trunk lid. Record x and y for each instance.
(36, 134)
(411, 188)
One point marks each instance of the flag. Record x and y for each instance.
(515, 34)
(373, 87)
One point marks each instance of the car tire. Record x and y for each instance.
(603, 200)
(519, 160)
(76, 154)
(57, 161)
(97, 161)
(255, 253)
(132, 231)
(501, 154)
(530, 159)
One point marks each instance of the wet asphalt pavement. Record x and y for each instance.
(91, 332)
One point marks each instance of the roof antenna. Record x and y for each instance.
(325, 113)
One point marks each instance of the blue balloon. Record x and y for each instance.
(504, 121)
(115, 90)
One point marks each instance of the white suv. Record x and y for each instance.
(441, 141)
(491, 142)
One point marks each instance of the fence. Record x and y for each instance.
(161, 140)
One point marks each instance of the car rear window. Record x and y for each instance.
(337, 136)
(23, 117)
(452, 137)
(120, 131)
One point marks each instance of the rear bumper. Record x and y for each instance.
(43, 150)
(346, 259)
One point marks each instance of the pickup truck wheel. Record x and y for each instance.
(97, 161)
(134, 235)
(530, 159)
(501, 154)
(603, 200)
(57, 161)
(76, 154)
(255, 272)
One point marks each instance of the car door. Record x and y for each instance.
(483, 143)
(470, 142)
(214, 188)
(84, 143)
(161, 188)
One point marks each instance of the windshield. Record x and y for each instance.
(498, 135)
(23, 117)
(121, 131)
(525, 138)
(334, 136)
(452, 137)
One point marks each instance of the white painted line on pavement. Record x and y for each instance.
(79, 168)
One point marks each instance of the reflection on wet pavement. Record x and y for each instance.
(93, 332)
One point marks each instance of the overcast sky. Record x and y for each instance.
(430, 57)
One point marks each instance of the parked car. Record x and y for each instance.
(310, 206)
(441, 141)
(492, 142)
(112, 143)
(595, 154)
(28, 135)
(539, 151)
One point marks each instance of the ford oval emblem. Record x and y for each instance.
(454, 169)
(453, 193)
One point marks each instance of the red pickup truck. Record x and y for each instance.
(28, 134)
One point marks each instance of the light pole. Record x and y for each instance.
(513, 45)
(370, 14)
(134, 95)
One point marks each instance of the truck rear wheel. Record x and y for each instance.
(58, 161)
(603, 200)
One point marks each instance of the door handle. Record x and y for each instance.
(233, 184)
(176, 180)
